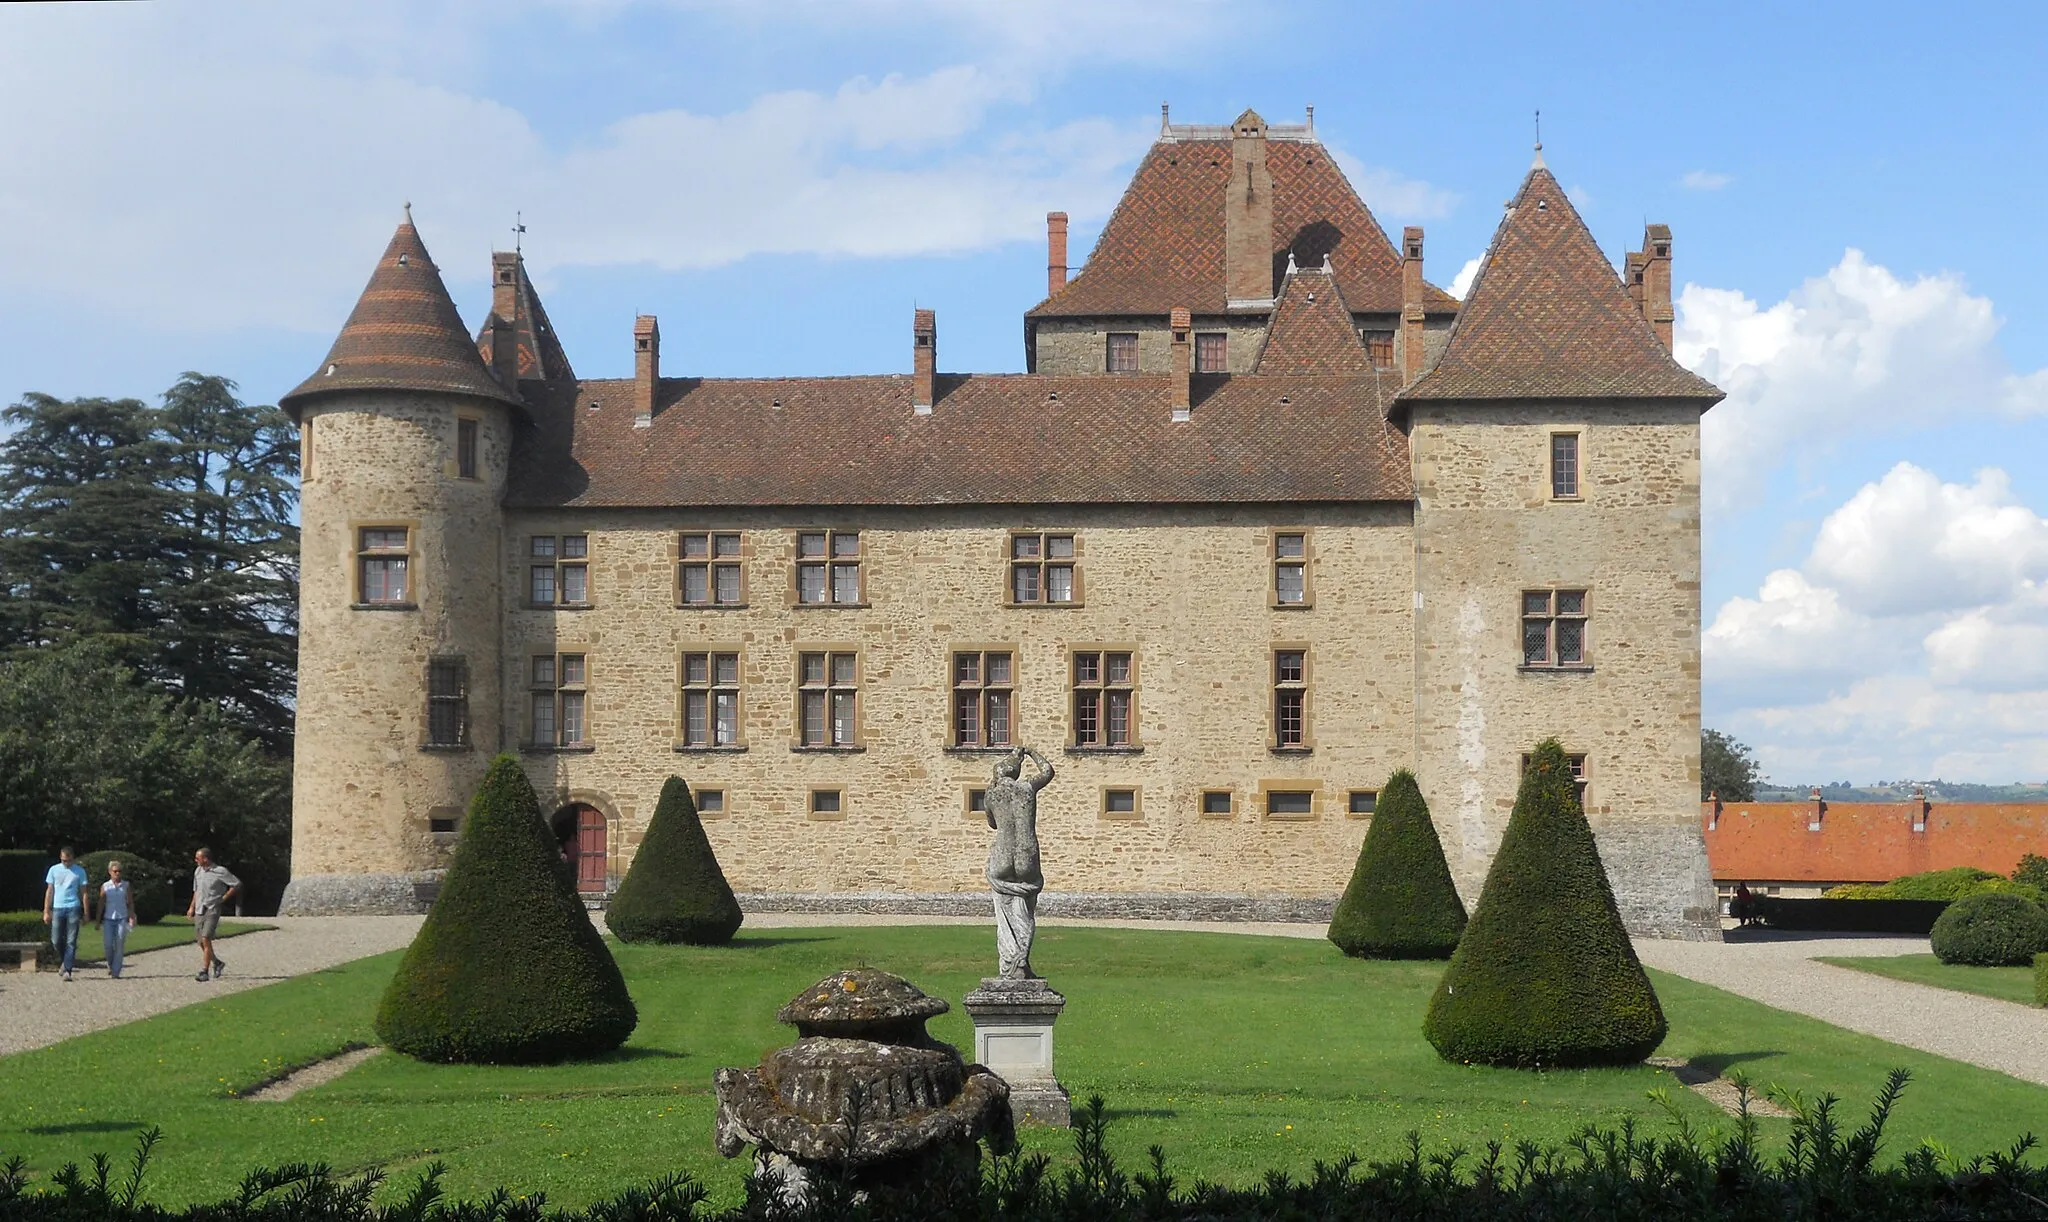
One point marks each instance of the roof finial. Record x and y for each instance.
(1311, 120)
(408, 212)
(518, 231)
(1538, 163)
(1162, 118)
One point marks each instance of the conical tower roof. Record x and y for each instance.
(404, 334)
(1548, 318)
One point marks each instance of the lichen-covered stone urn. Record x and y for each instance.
(865, 1094)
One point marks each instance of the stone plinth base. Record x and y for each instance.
(1013, 1037)
(361, 894)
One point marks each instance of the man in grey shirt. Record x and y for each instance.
(212, 888)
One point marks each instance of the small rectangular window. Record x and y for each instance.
(711, 803)
(447, 702)
(974, 803)
(1119, 803)
(1361, 802)
(1290, 803)
(1104, 689)
(1212, 352)
(1379, 347)
(1290, 569)
(1122, 353)
(1218, 804)
(441, 826)
(383, 559)
(465, 448)
(1554, 624)
(1290, 698)
(1564, 465)
(711, 699)
(984, 697)
(828, 804)
(558, 573)
(828, 568)
(827, 699)
(1044, 569)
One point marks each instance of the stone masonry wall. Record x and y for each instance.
(1486, 529)
(1081, 345)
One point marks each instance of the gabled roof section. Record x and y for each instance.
(996, 439)
(1163, 246)
(539, 354)
(1548, 317)
(404, 334)
(1312, 332)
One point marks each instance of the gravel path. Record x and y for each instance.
(39, 1008)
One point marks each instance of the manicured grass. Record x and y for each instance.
(2004, 983)
(1237, 1054)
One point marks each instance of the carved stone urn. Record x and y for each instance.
(865, 1094)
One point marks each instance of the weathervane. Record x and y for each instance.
(1539, 129)
(518, 231)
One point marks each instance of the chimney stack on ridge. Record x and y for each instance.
(1656, 255)
(1055, 253)
(924, 358)
(504, 353)
(1248, 218)
(646, 368)
(1182, 324)
(1411, 303)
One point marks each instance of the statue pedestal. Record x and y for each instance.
(1013, 1037)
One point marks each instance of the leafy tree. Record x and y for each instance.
(2032, 871)
(1727, 768)
(1401, 903)
(675, 891)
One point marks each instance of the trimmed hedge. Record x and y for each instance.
(1991, 931)
(1950, 884)
(1851, 916)
(508, 967)
(674, 890)
(1401, 903)
(23, 927)
(2041, 979)
(149, 885)
(1545, 975)
(21, 877)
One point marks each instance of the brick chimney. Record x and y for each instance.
(1248, 217)
(1411, 303)
(1182, 324)
(1632, 278)
(1820, 809)
(1656, 254)
(924, 360)
(646, 368)
(504, 353)
(1055, 253)
(1921, 807)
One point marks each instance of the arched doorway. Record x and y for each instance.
(585, 842)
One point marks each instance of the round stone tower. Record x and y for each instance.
(406, 437)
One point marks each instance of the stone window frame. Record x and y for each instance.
(711, 651)
(1133, 743)
(711, 562)
(468, 461)
(1371, 801)
(799, 688)
(831, 560)
(443, 836)
(724, 807)
(1577, 437)
(1550, 616)
(814, 795)
(1582, 774)
(1135, 814)
(358, 533)
(1042, 561)
(1305, 562)
(1229, 796)
(458, 700)
(1215, 339)
(974, 802)
(557, 562)
(1290, 785)
(955, 690)
(1112, 341)
(560, 688)
(1305, 742)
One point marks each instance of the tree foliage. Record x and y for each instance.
(1402, 903)
(675, 891)
(1727, 768)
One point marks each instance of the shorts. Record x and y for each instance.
(204, 924)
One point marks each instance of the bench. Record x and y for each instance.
(23, 955)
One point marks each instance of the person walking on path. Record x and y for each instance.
(117, 917)
(64, 905)
(212, 888)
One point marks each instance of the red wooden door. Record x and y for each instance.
(591, 846)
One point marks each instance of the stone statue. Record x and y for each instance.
(1013, 872)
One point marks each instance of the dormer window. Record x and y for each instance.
(1212, 352)
(1121, 356)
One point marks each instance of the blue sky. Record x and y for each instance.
(1855, 193)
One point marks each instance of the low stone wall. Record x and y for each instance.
(361, 894)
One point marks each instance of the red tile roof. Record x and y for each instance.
(991, 439)
(1548, 317)
(404, 334)
(1312, 331)
(538, 352)
(1163, 246)
(1867, 841)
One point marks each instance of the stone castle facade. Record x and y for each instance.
(1269, 517)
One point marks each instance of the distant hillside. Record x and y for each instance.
(1901, 791)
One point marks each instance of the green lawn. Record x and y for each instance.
(1235, 1053)
(2004, 983)
(171, 931)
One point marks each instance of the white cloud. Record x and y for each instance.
(1394, 197)
(1911, 543)
(1853, 352)
(1462, 284)
(1705, 180)
(1581, 198)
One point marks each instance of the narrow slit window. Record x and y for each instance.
(1290, 569)
(1290, 698)
(1564, 465)
(447, 702)
(465, 448)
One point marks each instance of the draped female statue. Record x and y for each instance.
(1013, 871)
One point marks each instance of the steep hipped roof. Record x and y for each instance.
(404, 334)
(1311, 332)
(1869, 841)
(539, 354)
(990, 439)
(1548, 317)
(1163, 246)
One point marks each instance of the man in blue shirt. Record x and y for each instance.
(64, 905)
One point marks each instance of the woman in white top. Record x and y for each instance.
(117, 917)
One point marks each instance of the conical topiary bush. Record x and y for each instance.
(1401, 903)
(508, 967)
(1545, 974)
(675, 891)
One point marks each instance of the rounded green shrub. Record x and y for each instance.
(1545, 975)
(149, 884)
(1401, 903)
(2041, 978)
(674, 891)
(1992, 930)
(508, 967)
